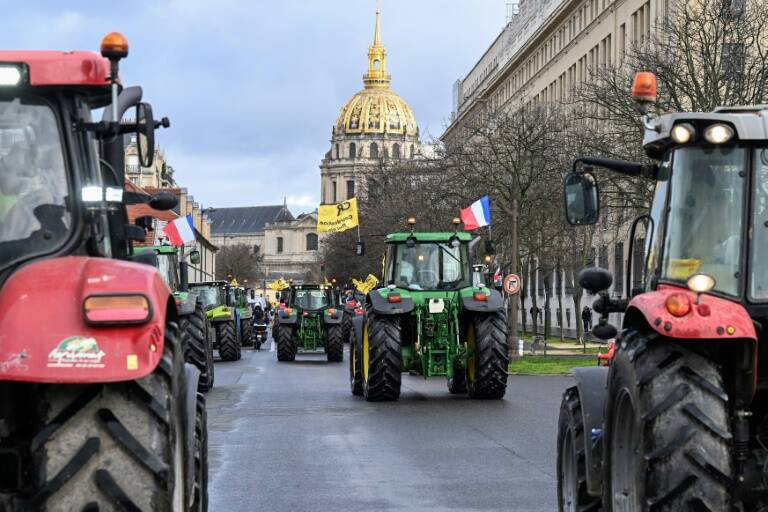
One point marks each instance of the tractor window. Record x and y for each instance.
(431, 266)
(33, 183)
(310, 299)
(758, 283)
(167, 269)
(704, 226)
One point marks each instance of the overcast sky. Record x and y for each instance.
(252, 88)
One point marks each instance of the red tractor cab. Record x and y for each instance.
(679, 418)
(97, 409)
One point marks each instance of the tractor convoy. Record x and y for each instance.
(98, 409)
(677, 420)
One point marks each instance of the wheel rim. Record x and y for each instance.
(625, 461)
(366, 350)
(568, 478)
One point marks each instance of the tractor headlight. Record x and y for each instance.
(718, 133)
(701, 283)
(10, 75)
(683, 133)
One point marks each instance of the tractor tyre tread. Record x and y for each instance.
(286, 344)
(492, 356)
(247, 333)
(194, 339)
(334, 343)
(385, 359)
(111, 446)
(229, 347)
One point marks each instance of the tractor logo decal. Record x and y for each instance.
(15, 362)
(76, 352)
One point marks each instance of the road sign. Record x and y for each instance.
(512, 284)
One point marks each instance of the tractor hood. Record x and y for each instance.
(44, 336)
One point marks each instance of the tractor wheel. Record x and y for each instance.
(489, 359)
(346, 327)
(200, 489)
(229, 346)
(286, 345)
(334, 343)
(457, 384)
(116, 446)
(355, 364)
(572, 493)
(382, 360)
(194, 339)
(668, 435)
(247, 332)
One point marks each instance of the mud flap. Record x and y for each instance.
(592, 385)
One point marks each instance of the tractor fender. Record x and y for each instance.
(192, 376)
(495, 302)
(593, 392)
(284, 318)
(185, 303)
(333, 319)
(381, 306)
(43, 334)
(713, 319)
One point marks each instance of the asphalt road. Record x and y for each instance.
(291, 437)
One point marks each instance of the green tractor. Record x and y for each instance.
(430, 319)
(194, 329)
(245, 316)
(309, 322)
(218, 298)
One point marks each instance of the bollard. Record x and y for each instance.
(520, 348)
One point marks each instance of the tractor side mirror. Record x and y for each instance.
(595, 279)
(582, 200)
(163, 201)
(194, 257)
(145, 134)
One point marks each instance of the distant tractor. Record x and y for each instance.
(98, 410)
(430, 319)
(678, 420)
(194, 328)
(221, 309)
(245, 316)
(310, 322)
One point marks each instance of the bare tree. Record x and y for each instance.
(241, 262)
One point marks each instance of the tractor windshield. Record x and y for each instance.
(210, 296)
(430, 266)
(167, 269)
(758, 282)
(706, 205)
(310, 299)
(34, 216)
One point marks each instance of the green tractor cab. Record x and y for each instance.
(430, 319)
(194, 328)
(245, 316)
(220, 304)
(310, 322)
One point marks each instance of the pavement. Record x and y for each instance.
(291, 437)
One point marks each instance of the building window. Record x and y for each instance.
(352, 150)
(338, 154)
(279, 244)
(395, 150)
(374, 150)
(333, 196)
(350, 189)
(311, 242)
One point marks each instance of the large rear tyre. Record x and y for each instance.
(115, 446)
(197, 350)
(355, 364)
(667, 432)
(334, 343)
(200, 489)
(488, 362)
(572, 493)
(382, 359)
(246, 332)
(229, 345)
(346, 327)
(286, 344)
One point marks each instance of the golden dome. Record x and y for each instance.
(377, 109)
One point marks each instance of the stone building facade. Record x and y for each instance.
(159, 175)
(546, 50)
(374, 125)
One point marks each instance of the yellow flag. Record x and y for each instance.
(335, 218)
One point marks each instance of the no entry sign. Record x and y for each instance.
(512, 284)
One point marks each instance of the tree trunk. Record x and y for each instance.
(512, 339)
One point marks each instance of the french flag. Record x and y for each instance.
(180, 231)
(476, 215)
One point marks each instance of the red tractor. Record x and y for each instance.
(678, 420)
(98, 410)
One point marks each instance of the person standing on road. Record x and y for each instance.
(586, 317)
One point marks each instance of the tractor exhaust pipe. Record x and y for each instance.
(184, 276)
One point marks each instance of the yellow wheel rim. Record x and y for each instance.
(366, 348)
(471, 345)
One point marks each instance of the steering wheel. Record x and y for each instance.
(428, 278)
